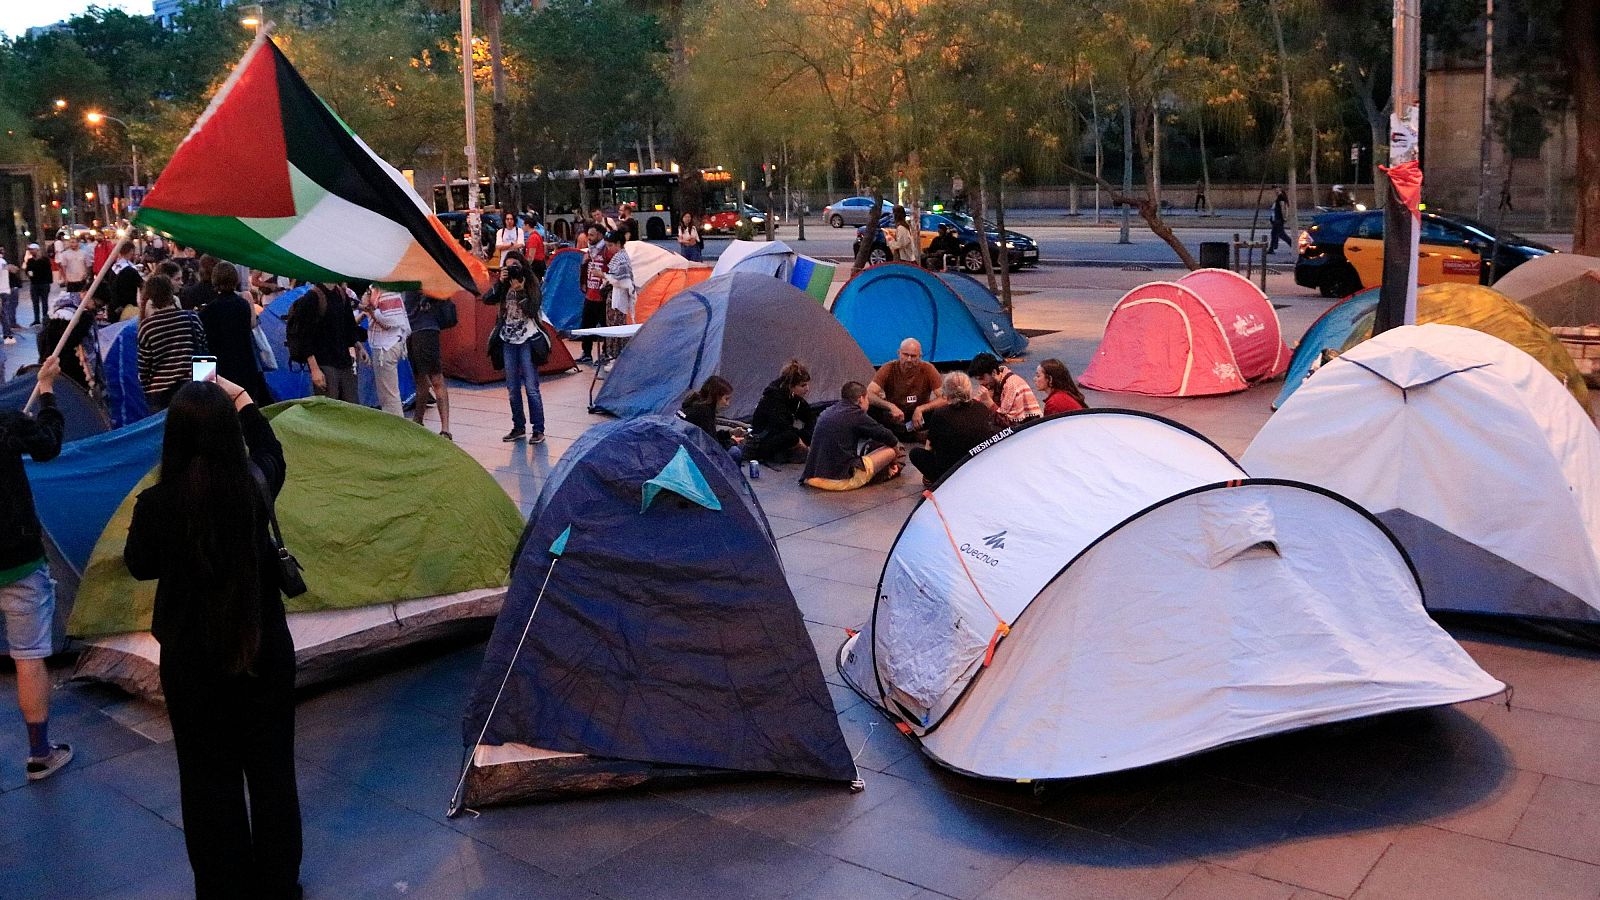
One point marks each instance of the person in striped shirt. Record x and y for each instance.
(169, 339)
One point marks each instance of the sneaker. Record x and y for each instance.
(515, 434)
(42, 767)
(585, 360)
(536, 437)
(447, 436)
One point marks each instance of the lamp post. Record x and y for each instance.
(250, 16)
(95, 118)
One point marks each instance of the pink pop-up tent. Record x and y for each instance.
(1212, 332)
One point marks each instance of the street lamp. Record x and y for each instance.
(250, 16)
(95, 118)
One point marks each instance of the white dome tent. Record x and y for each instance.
(1106, 589)
(1471, 452)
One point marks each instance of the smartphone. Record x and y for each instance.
(204, 369)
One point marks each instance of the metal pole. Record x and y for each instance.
(1127, 167)
(1485, 171)
(1397, 302)
(474, 213)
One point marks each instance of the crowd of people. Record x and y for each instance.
(907, 413)
(203, 530)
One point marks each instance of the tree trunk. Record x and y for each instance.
(870, 236)
(1155, 153)
(1316, 187)
(1149, 208)
(500, 118)
(1581, 19)
(1005, 251)
(1205, 167)
(1099, 148)
(1288, 120)
(1127, 165)
(983, 233)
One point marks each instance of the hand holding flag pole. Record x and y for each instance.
(116, 253)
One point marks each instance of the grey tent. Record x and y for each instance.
(649, 632)
(742, 326)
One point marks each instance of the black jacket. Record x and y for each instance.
(21, 538)
(151, 553)
(124, 291)
(779, 410)
(955, 429)
(323, 324)
(703, 415)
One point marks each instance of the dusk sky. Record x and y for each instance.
(17, 17)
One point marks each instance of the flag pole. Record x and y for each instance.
(116, 253)
(474, 211)
(1402, 226)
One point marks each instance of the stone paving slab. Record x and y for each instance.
(1484, 799)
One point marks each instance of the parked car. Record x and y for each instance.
(850, 211)
(1341, 253)
(456, 224)
(1022, 250)
(728, 219)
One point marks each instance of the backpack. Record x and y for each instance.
(445, 312)
(300, 329)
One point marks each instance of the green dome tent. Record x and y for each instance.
(404, 538)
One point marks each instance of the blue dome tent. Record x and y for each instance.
(649, 632)
(954, 317)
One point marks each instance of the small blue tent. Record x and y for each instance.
(1331, 331)
(292, 381)
(119, 352)
(649, 631)
(954, 317)
(745, 327)
(563, 289)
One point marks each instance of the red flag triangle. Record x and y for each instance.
(235, 162)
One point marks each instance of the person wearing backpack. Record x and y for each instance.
(322, 334)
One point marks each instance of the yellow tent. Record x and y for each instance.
(1489, 311)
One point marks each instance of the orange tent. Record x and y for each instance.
(665, 286)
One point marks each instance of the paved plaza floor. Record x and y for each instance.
(1497, 798)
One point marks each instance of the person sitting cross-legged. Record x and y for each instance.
(848, 449)
(953, 429)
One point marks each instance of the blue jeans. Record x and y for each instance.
(523, 376)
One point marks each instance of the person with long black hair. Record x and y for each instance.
(227, 661)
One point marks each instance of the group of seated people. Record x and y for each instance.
(907, 413)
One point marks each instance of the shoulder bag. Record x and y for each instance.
(290, 581)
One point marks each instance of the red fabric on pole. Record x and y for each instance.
(1407, 179)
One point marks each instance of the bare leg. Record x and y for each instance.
(883, 460)
(33, 690)
(442, 395)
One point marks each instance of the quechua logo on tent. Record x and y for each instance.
(996, 541)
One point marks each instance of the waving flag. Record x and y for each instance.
(270, 178)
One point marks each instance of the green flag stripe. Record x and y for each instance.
(234, 241)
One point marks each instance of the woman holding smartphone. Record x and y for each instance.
(227, 660)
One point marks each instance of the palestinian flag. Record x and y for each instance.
(1402, 239)
(270, 178)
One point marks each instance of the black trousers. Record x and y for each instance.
(927, 462)
(594, 316)
(40, 294)
(235, 733)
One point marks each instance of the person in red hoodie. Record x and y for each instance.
(1061, 392)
